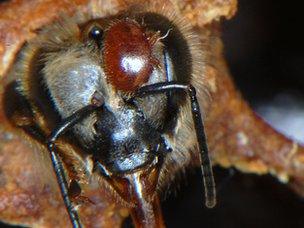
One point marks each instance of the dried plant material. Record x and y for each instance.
(239, 138)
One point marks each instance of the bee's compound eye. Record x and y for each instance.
(96, 33)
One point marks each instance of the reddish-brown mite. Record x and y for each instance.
(127, 55)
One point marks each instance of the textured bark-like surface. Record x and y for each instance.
(239, 138)
(28, 190)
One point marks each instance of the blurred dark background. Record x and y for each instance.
(264, 48)
(265, 52)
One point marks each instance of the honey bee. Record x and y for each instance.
(115, 96)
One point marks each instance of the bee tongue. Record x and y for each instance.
(147, 212)
(140, 190)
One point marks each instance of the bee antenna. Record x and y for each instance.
(209, 183)
(206, 166)
(64, 126)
